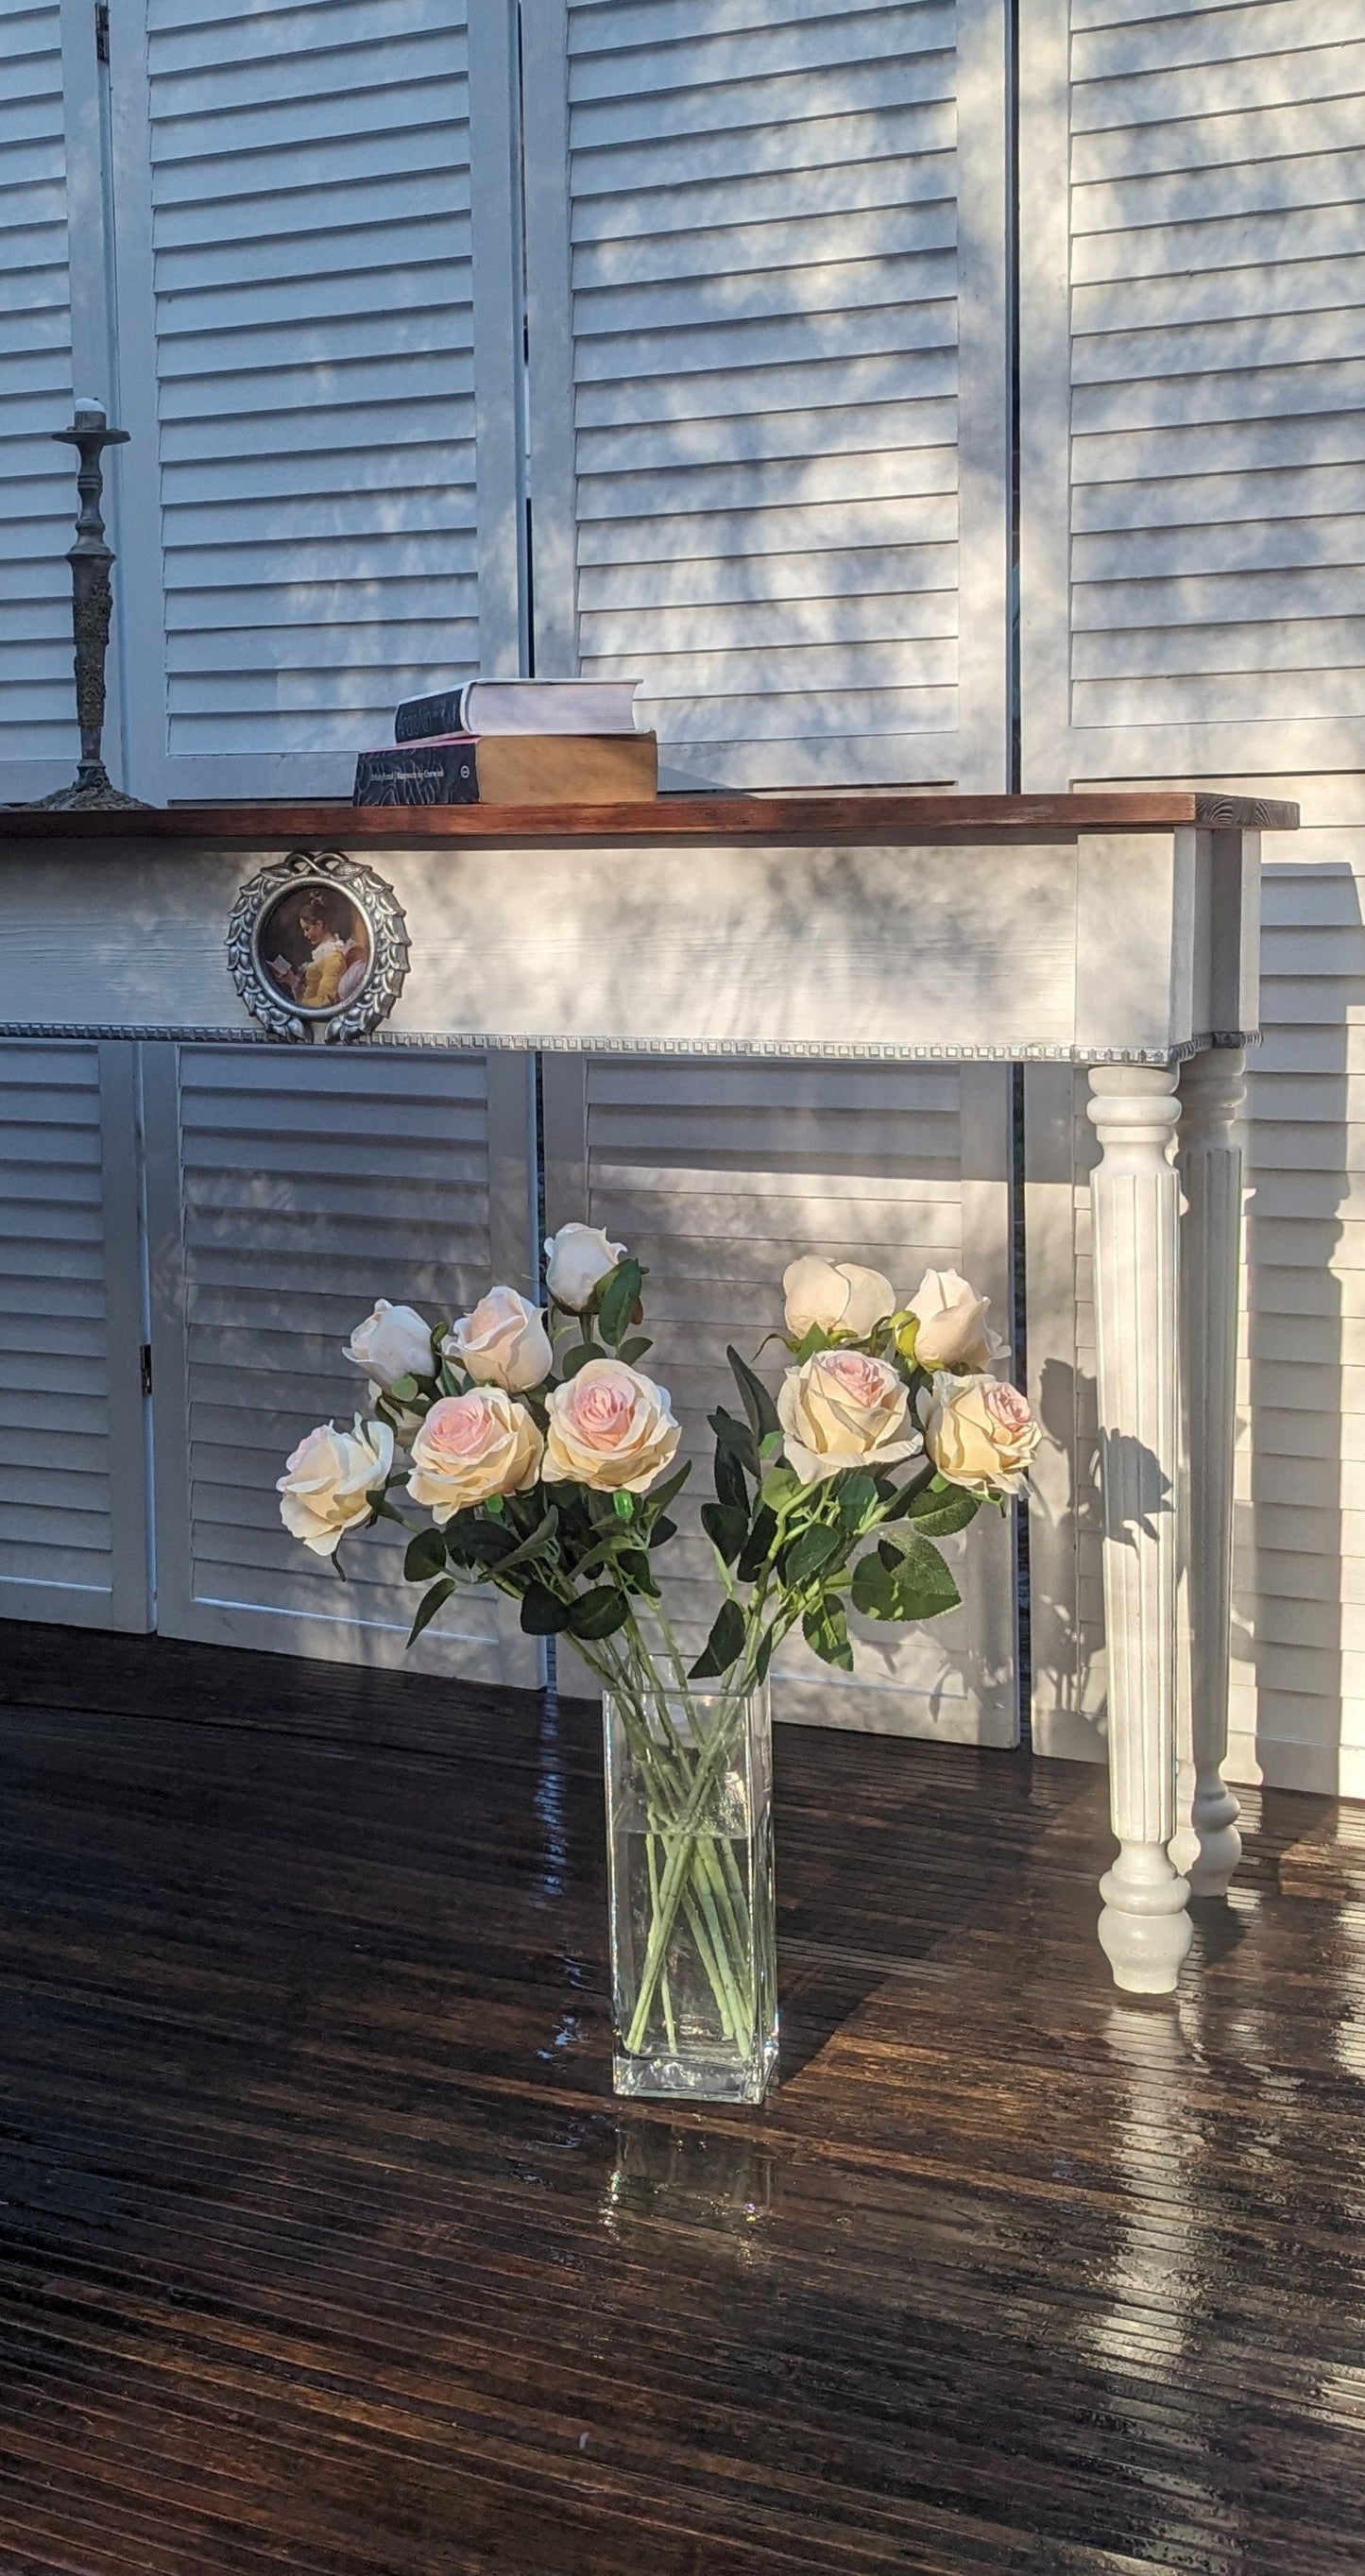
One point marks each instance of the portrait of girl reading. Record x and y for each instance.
(315, 948)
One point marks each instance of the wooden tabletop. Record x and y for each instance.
(768, 819)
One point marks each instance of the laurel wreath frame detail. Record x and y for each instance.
(390, 949)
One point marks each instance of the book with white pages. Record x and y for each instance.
(520, 706)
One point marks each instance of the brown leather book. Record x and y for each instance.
(566, 768)
(511, 769)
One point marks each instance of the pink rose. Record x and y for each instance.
(471, 1446)
(843, 1409)
(610, 1427)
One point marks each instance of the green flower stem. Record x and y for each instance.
(680, 1859)
(666, 1992)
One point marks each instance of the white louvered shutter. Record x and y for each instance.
(289, 1189)
(72, 1438)
(717, 1175)
(319, 327)
(1193, 470)
(53, 344)
(768, 356)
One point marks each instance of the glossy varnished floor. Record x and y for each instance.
(323, 2246)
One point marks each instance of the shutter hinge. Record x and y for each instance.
(102, 31)
(145, 1366)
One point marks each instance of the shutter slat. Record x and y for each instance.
(289, 1216)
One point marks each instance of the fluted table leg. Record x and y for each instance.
(1211, 1092)
(1135, 1200)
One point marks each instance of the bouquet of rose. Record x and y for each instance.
(545, 1457)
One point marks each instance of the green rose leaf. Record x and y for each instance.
(731, 1489)
(724, 1644)
(599, 1613)
(635, 1349)
(726, 1528)
(758, 1404)
(825, 1630)
(541, 1614)
(619, 1299)
(635, 1569)
(426, 1556)
(532, 1546)
(938, 1515)
(429, 1604)
(663, 1530)
(757, 1547)
(735, 1438)
(572, 1361)
(857, 1496)
(918, 1585)
(780, 1487)
(807, 1553)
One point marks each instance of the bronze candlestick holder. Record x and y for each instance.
(91, 603)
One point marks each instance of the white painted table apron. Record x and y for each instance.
(1118, 932)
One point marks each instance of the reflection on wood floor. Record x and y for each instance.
(323, 2246)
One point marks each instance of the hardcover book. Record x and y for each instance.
(520, 707)
(511, 769)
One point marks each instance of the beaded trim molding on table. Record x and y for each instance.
(805, 1050)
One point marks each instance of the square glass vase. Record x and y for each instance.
(693, 1915)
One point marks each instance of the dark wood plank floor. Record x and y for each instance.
(324, 2248)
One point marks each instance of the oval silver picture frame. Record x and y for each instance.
(317, 945)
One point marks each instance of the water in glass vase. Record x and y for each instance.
(693, 1925)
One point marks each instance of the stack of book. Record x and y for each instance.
(514, 742)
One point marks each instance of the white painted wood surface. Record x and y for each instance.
(287, 1190)
(718, 1175)
(1193, 416)
(1192, 423)
(314, 523)
(1081, 945)
(769, 354)
(1144, 1929)
(73, 1522)
(38, 744)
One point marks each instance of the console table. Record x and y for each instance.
(1114, 931)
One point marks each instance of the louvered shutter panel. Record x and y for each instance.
(289, 1190)
(1192, 420)
(38, 743)
(319, 333)
(1193, 429)
(767, 329)
(72, 1443)
(717, 1175)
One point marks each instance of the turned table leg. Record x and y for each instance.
(1211, 1093)
(1135, 1199)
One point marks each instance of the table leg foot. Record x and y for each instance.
(1214, 1817)
(1145, 1931)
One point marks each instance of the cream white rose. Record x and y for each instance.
(577, 1260)
(393, 1342)
(953, 1331)
(502, 1343)
(326, 1487)
(839, 1296)
(843, 1409)
(471, 1446)
(980, 1432)
(610, 1427)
